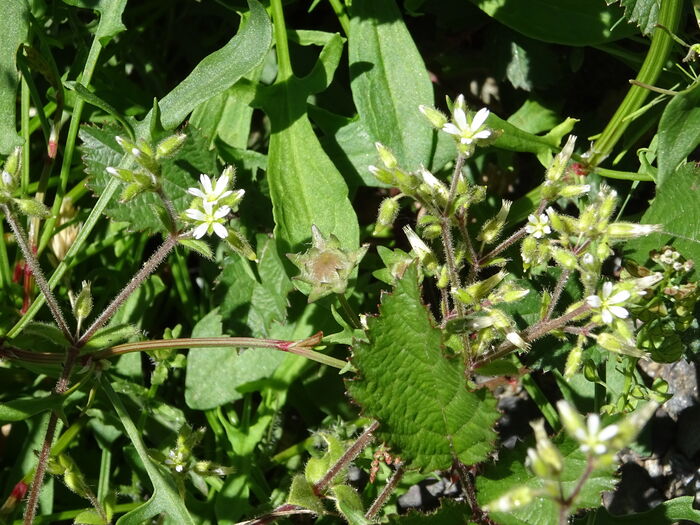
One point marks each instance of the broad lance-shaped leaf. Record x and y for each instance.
(389, 81)
(418, 394)
(14, 22)
(305, 186)
(509, 472)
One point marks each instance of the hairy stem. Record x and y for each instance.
(556, 294)
(147, 269)
(350, 454)
(378, 503)
(33, 264)
(40, 473)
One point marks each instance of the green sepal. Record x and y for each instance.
(302, 493)
(32, 208)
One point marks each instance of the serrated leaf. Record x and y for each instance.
(305, 187)
(677, 208)
(14, 23)
(643, 13)
(418, 394)
(510, 472)
(679, 132)
(389, 81)
(450, 513)
(179, 173)
(568, 22)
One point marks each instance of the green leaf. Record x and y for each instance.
(165, 498)
(89, 97)
(666, 513)
(643, 13)
(349, 503)
(219, 70)
(302, 493)
(417, 393)
(14, 23)
(110, 12)
(450, 513)
(533, 117)
(389, 81)
(679, 132)
(510, 472)
(179, 173)
(569, 22)
(24, 408)
(677, 208)
(305, 186)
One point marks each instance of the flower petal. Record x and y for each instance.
(618, 311)
(619, 297)
(594, 301)
(479, 119)
(459, 117)
(220, 230)
(200, 230)
(451, 129)
(606, 316)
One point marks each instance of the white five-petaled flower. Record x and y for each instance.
(593, 438)
(538, 227)
(213, 191)
(461, 126)
(211, 220)
(608, 303)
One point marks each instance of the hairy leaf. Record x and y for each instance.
(417, 393)
(100, 150)
(679, 132)
(643, 13)
(389, 81)
(677, 208)
(305, 186)
(666, 513)
(14, 22)
(569, 22)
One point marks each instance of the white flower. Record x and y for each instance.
(460, 126)
(213, 191)
(538, 227)
(593, 438)
(608, 303)
(211, 220)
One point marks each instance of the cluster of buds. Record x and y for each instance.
(326, 267)
(9, 182)
(558, 182)
(147, 176)
(600, 443)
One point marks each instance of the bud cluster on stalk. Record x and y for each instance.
(9, 183)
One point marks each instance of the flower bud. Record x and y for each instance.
(548, 456)
(388, 210)
(573, 362)
(564, 258)
(386, 156)
(558, 166)
(619, 345)
(121, 173)
(82, 306)
(474, 293)
(11, 170)
(508, 293)
(436, 118)
(436, 188)
(170, 145)
(528, 251)
(32, 208)
(382, 175)
(493, 227)
(608, 202)
(420, 249)
(574, 190)
(631, 230)
(513, 499)
(515, 339)
(572, 421)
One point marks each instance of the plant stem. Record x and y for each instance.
(284, 64)
(349, 312)
(35, 489)
(339, 11)
(33, 264)
(661, 42)
(378, 503)
(350, 454)
(556, 294)
(536, 331)
(147, 269)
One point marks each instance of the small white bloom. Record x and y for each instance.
(608, 304)
(210, 191)
(538, 227)
(437, 187)
(211, 220)
(467, 131)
